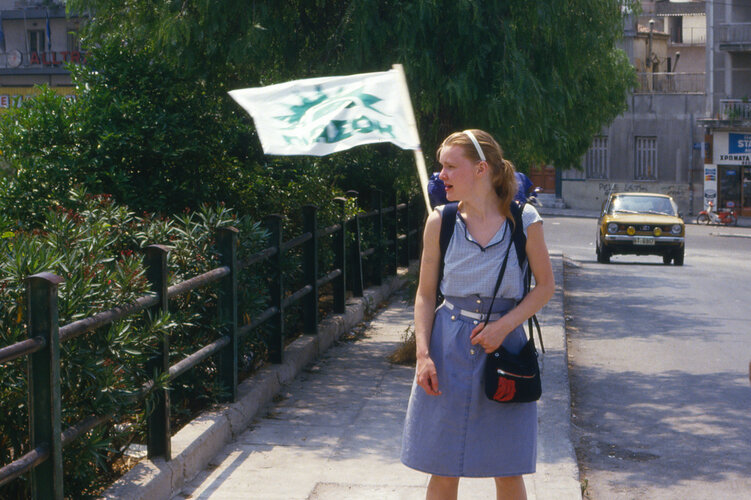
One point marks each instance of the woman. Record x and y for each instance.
(452, 430)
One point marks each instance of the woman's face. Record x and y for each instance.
(458, 173)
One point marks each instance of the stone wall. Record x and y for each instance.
(590, 194)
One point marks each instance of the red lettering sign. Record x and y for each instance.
(57, 58)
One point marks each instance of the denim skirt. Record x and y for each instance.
(461, 433)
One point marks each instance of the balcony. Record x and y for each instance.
(689, 36)
(734, 37)
(732, 113)
(735, 109)
(670, 83)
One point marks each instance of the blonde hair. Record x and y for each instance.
(502, 171)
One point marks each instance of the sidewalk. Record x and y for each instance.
(335, 431)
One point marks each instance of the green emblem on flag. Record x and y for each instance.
(308, 117)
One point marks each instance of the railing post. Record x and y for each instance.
(395, 233)
(310, 269)
(276, 289)
(406, 254)
(340, 252)
(355, 256)
(158, 425)
(44, 385)
(227, 246)
(418, 216)
(377, 266)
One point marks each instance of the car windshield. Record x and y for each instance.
(642, 205)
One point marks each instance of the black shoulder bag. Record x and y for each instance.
(512, 378)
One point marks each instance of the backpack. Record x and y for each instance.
(448, 220)
(436, 190)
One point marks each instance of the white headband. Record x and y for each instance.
(477, 144)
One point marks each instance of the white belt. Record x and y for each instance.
(470, 314)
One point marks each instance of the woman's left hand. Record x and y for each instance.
(491, 337)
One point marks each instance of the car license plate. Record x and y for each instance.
(644, 240)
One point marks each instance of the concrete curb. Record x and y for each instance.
(730, 235)
(196, 443)
(557, 475)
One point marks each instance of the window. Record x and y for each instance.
(36, 40)
(596, 160)
(642, 204)
(675, 25)
(74, 43)
(646, 159)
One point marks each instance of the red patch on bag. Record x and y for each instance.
(506, 390)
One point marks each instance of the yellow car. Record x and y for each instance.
(640, 224)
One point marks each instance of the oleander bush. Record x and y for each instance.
(97, 249)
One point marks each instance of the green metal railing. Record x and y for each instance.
(46, 437)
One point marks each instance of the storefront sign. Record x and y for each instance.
(57, 58)
(14, 97)
(739, 143)
(710, 185)
(736, 159)
(10, 101)
(731, 149)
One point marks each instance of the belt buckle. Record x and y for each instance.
(475, 316)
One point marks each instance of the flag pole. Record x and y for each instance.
(422, 172)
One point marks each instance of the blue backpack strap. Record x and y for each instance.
(520, 244)
(448, 221)
(520, 240)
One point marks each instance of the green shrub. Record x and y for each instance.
(96, 249)
(40, 153)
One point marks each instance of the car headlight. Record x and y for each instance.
(676, 229)
(657, 231)
(612, 227)
(631, 230)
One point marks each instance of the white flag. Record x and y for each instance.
(319, 116)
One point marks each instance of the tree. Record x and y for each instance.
(543, 77)
(151, 134)
(153, 115)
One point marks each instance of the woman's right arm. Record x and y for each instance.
(427, 288)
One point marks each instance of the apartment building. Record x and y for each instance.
(36, 42)
(727, 121)
(657, 145)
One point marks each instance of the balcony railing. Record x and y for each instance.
(734, 35)
(670, 83)
(735, 109)
(689, 36)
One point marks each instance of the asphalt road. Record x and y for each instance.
(659, 365)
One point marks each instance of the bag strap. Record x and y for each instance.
(498, 281)
(518, 228)
(532, 319)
